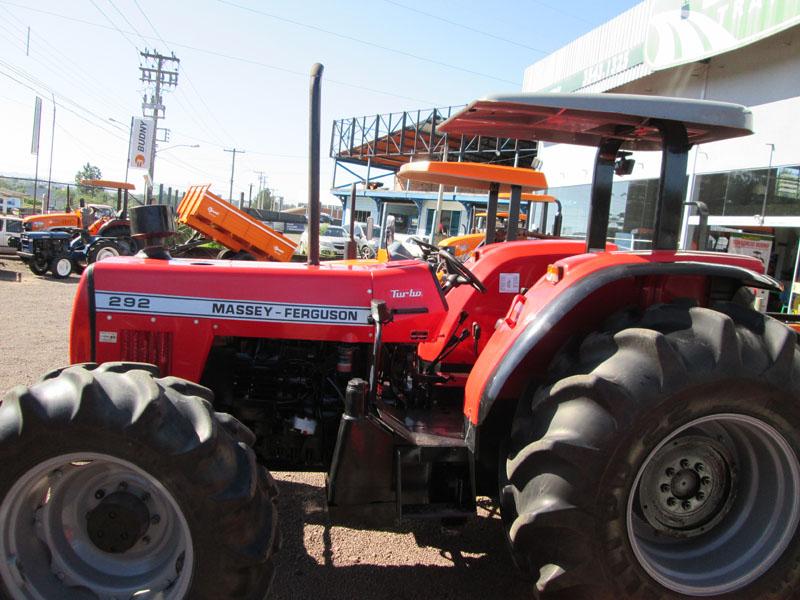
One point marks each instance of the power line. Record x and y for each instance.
(462, 26)
(366, 43)
(303, 74)
(113, 24)
(124, 18)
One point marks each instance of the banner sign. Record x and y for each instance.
(37, 122)
(752, 244)
(684, 31)
(142, 136)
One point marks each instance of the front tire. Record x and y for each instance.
(115, 483)
(664, 461)
(61, 266)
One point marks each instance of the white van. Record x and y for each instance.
(10, 231)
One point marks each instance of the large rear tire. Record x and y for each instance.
(663, 461)
(115, 483)
(102, 249)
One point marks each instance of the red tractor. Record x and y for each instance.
(636, 419)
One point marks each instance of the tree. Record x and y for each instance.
(87, 172)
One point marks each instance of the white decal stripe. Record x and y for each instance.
(120, 302)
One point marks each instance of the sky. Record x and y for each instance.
(244, 77)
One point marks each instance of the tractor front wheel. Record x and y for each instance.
(115, 483)
(61, 266)
(664, 462)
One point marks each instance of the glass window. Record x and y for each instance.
(363, 215)
(784, 192)
(14, 226)
(744, 192)
(450, 222)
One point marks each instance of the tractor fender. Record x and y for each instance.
(539, 323)
(114, 228)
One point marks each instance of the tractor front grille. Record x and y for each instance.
(154, 347)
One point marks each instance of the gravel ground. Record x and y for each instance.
(410, 560)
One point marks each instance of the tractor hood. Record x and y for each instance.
(169, 312)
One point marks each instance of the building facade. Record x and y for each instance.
(741, 51)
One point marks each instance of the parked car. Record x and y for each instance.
(332, 239)
(10, 230)
(367, 248)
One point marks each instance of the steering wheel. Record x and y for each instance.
(456, 267)
(428, 250)
(452, 265)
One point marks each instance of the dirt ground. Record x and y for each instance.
(414, 560)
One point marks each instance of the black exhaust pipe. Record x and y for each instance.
(313, 165)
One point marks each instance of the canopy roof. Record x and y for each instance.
(103, 183)
(586, 119)
(474, 175)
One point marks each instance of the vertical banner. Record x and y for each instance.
(37, 122)
(142, 136)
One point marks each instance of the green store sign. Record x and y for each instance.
(684, 31)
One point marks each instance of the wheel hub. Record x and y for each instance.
(688, 486)
(118, 522)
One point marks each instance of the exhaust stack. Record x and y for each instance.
(314, 164)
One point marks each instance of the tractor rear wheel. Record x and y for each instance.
(664, 461)
(37, 266)
(61, 266)
(102, 248)
(115, 483)
(127, 246)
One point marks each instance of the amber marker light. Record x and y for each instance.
(555, 273)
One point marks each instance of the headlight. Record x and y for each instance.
(327, 245)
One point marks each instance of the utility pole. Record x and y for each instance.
(233, 167)
(260, 184)
(156, 76)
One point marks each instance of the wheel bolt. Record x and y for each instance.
(155, 519)
(670, 472)
(664, 488)
(698, 467)
(123, 486)
(701, 496)
(684, 464)
(686, 505)
(705, 480)
(671, 501)
(146, 540)
(99, 494)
